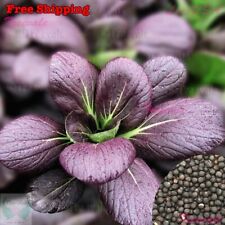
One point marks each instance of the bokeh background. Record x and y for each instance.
(192, 30)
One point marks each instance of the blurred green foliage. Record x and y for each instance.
(201, 14)
(206, 66)
(101, 58)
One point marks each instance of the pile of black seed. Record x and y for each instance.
(193, 193)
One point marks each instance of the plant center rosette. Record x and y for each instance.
(112, 117)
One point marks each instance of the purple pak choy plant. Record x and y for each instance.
(113, 118)
(112, 30)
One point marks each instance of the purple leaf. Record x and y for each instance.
(28, 69)
(7, 60)
(98, 163)
(31, 69)
(77, 126)
(213, 95)
(129, 198)
(173, 36)
(30, 143)
(179, 129)
(24, 72)
(72, 83)
(17, 33)
(123, 93)
(167, 76)
(13, 37)
(54, 191)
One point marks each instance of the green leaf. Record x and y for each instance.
(201, 14)
(105, 135)
(207, 67)
(209, 19)
(192, 89)
(210, 4)
(101, 58)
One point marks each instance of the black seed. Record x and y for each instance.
(221, 159)
(189, 171)
(208, 184)
(202, 173)
(181, 209)
(213, 189)
(167, 184)
(201, 206)
(219, 174)
(155, 212)
(174, 198)
(193, 205)
(196, 187)
(201, 179)
(196, 211)
(187, 211)
(202, 185)
(180, 203)
(218, 203)
(160, 200)
(186, 194)
(199, 157)
(195, 174)
(214, 197)
(214, 209)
